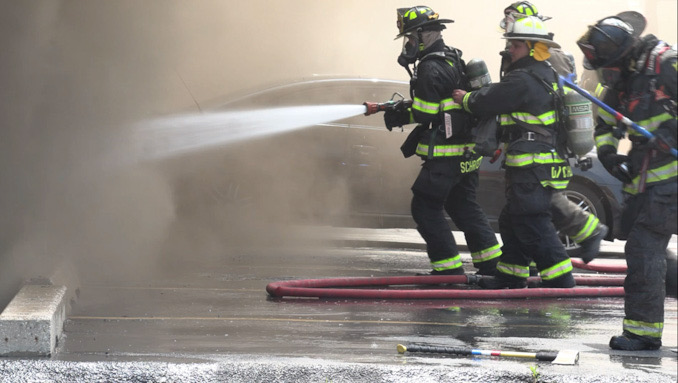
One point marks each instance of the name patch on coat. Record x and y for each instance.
(561, 172)
(470, 166)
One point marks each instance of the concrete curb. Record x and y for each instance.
(33, 321)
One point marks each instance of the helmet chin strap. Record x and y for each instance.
(529, 45)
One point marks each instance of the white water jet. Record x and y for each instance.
(175, 135)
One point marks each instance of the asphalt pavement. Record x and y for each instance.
(211, 320)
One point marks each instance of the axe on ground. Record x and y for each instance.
(555, 357)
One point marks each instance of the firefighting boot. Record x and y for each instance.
(591, 245)
(487, 268)
(632, 342)
(499, 281)
(562, 282)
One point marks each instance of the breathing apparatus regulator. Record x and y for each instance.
(415, 25)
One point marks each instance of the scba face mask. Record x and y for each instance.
(411, 48)
(415, 43)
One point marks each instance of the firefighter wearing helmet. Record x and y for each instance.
(644, 90)
(527, 107)
(442, 139)
(584, 228)
(562, 62)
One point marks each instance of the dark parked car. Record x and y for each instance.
(348, 172)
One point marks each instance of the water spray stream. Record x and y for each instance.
(175, 135)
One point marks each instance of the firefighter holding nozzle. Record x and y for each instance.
(448, 178)
(640, 77)
(527, 103)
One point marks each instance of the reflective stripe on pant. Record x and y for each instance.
(469, 217)
(528, 233)
(442, 187)
(571, 220)
(652, 225)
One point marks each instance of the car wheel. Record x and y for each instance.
(588, 200)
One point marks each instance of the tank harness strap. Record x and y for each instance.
(651, 61)
(533, 132)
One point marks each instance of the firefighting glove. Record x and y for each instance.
(615, 164)
(393, 118)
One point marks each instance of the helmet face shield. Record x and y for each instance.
(509, 20)
(529, 28)
(401, 23)
(589, 51)
(522, 9)
(606, 43)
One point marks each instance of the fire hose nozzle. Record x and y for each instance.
(372, 108)
(396, 102)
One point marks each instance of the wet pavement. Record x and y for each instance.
(213, 321)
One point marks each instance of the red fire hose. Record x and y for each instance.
(340, 288)
(377, 287)
(578, 263)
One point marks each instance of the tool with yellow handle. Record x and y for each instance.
(556, 357)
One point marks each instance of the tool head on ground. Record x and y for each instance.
(610, 40)
(569, 357)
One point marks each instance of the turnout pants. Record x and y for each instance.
(528, 232)
(650, 218)
(571, 220)
(443, 186)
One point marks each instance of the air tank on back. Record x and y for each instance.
(580, 123)
(485, 133)
(477, 73)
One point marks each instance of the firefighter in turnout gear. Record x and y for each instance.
(560, 60)
(448, 178)
(644, 90)
(526, 102)
(582, 227)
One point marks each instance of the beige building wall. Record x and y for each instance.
(280, 41)
(219, 48)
